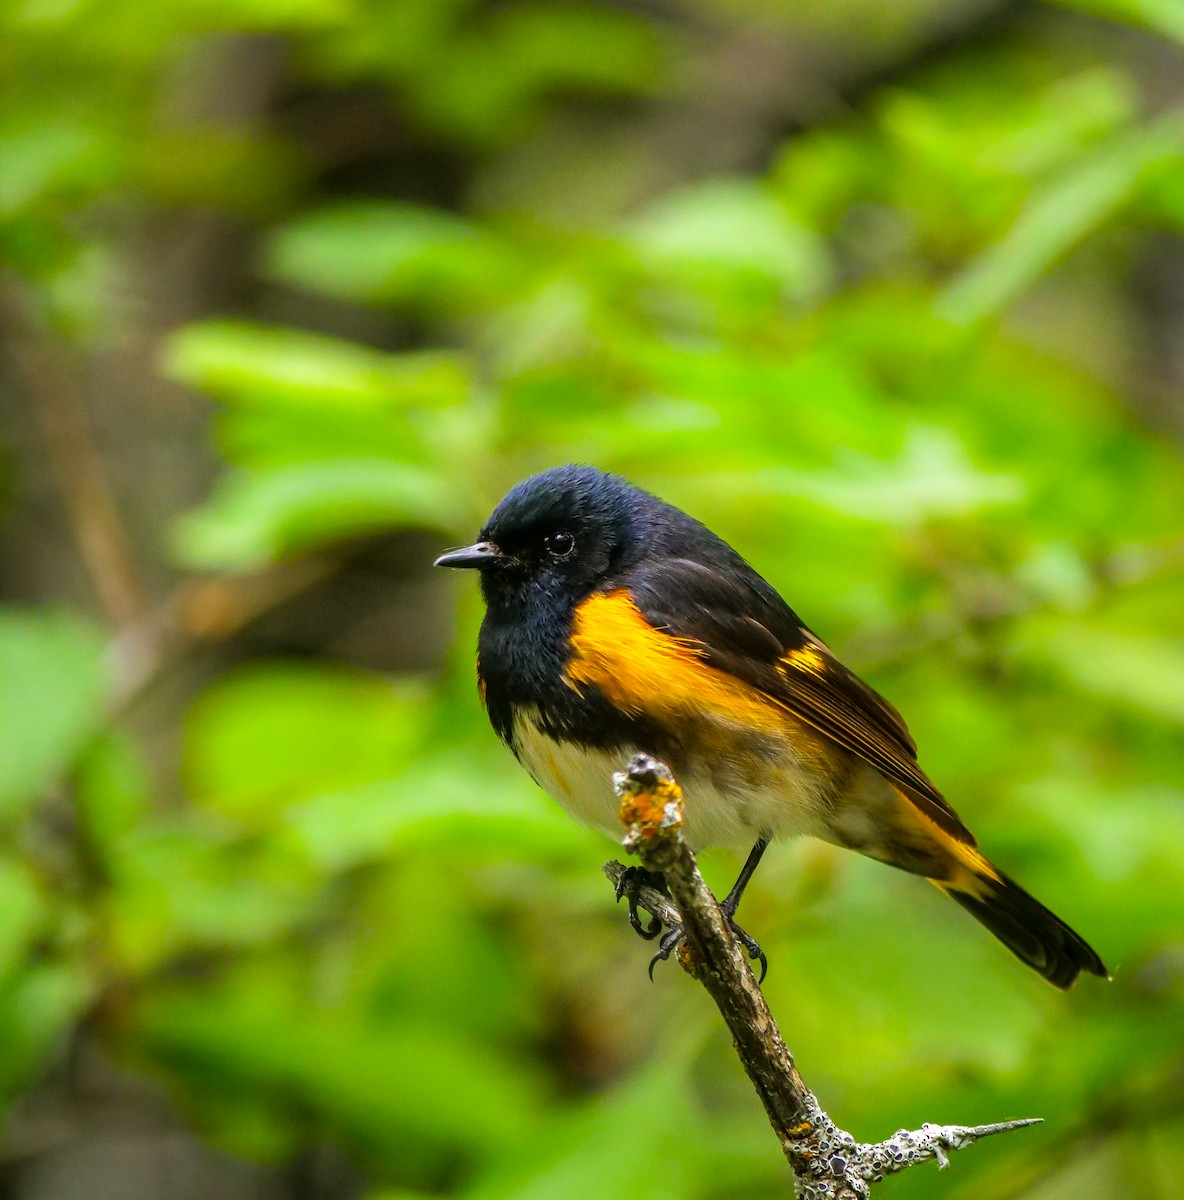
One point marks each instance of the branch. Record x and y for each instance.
(827, 1162)
(76, 461)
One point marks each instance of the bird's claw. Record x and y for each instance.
(666, 947)
(648, 931)
(753, 947)
(674, 937)
(633, 878)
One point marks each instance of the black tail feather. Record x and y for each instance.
(1028, 929)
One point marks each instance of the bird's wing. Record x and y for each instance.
(741, 626)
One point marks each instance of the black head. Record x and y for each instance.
(564, 531)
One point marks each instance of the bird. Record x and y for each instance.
(615, 623)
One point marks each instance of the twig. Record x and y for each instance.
(203, 610)
(827, 1162)
(77, 463)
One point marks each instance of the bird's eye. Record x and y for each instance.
(559, 545)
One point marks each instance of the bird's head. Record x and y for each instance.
(563, 532)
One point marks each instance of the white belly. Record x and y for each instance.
(724, 805)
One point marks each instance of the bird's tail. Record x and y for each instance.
(1028, 929)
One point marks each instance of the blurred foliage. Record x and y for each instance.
(895, 367)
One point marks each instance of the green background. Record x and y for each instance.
(291, 291)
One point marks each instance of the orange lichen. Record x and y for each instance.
(687, 959)
(650, 807)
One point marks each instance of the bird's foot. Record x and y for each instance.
(673, 938)
(631, 881)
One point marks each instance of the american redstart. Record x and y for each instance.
(616, 623)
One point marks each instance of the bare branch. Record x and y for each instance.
(827, 1162)
(77, 463)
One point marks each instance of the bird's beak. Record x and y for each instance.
(480, 554)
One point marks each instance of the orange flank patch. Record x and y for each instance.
(641, 669)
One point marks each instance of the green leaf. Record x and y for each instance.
(1139, 672)
(341, 828)
(273, 15)
(734, 226)
(270, 735)
(22, 904)
(585, 1152)
(38, 1007)
(51, 701)
(1059, 217)
(494, 81)
(186, 886)
(395, 252)
(259, 517)
(256, 364)
(932, 477)
(373, 1079)
(1162, 16)
(47, 157)
(112, 791)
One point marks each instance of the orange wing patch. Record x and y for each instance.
(806, 659)
(641, 669)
